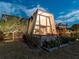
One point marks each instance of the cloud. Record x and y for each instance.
(76, 12)
(58, 21)
(62, 12)
(74, 2)
(5, 8)
(70, 17)
(73, 13)
(18, 10)
(30, 12)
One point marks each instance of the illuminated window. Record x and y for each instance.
(42, 25)
(36, 27)
(48, 22)
(43, 20)
(43, 30)
(36, 30)
(48, 30)
(37, 21)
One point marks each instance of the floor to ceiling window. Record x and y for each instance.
(43, 25)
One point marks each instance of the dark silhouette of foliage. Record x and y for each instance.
(1, 36)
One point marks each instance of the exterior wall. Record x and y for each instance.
(53, 25)
(31, 24)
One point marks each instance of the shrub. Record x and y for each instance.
(1, 36)
(72, 39)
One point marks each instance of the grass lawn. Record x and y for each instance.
(19, 50)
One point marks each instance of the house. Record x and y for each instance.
(61, 29)
(41, 28)
(42, 23)
(75, 29)
(13, 27)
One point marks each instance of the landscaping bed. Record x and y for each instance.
(58, 43)
(49, 44)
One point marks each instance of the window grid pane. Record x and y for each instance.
(42, 25)
(37, 21)
(43, 20)
(48, 21)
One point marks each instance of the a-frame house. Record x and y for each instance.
(42, 23)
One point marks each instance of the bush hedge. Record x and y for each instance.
(59, 41)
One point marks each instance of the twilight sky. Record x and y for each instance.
(65, 11)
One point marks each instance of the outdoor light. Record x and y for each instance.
(77, 39)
